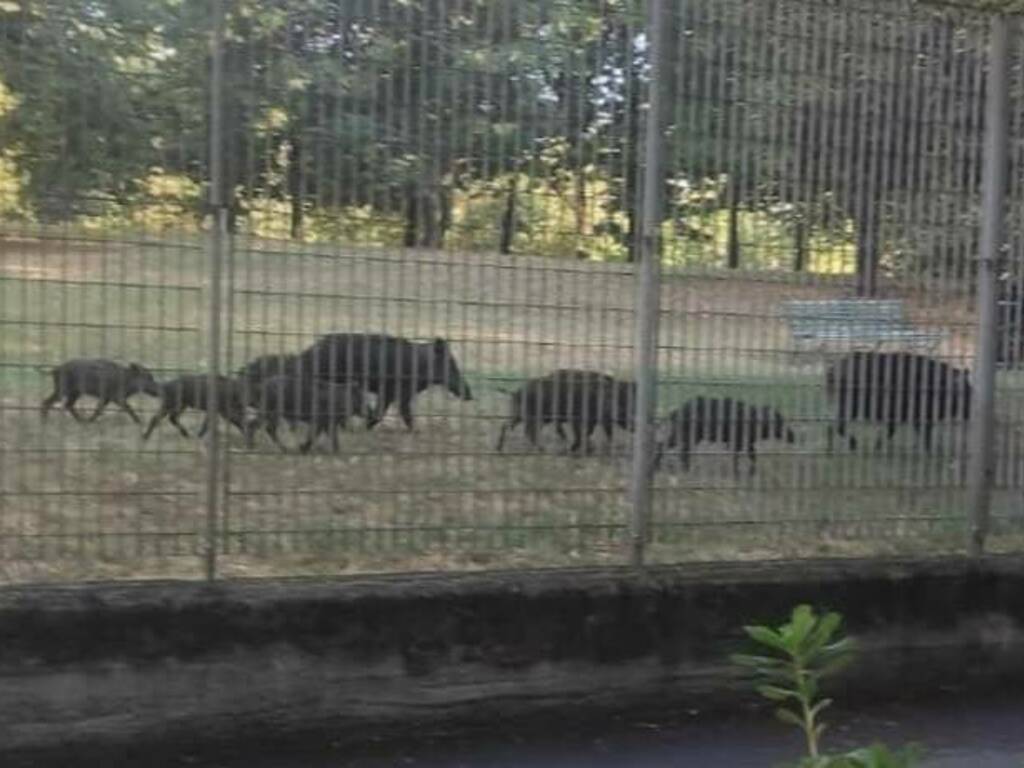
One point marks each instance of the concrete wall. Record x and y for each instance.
(151, 663)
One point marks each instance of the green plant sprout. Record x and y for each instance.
(799, 655)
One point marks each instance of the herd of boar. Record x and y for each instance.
(323, 386)
(327, 383)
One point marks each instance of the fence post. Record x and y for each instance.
(218, 235)
(993, 213)
(648, 294)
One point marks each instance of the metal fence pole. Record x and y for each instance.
(981, 474)
(218, 235)
(649, 285)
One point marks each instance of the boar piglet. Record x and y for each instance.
(107, 381)
(324, 405)
(581, 398)
(735, 423)
(192, 391)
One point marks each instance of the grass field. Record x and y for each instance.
(94, 501)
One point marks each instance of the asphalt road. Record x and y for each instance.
(955, 734)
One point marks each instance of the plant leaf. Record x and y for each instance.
(765, 662)
(810, 687)
(821, 705)
(836, 656)
(749, 660)
(775, 693)
(801, 624)
(881, 756)
(790, 717)
(769, 637)
(826, 627)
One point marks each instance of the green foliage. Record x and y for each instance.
(546, 221)
(999, 6)
(356, 224)
(89, 98)
(874, 756)
(12, 183)
(406, 120)
(11, 180)
(167, 202)
(797, 657)
(767, 243)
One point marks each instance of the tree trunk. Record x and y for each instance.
(580, 204)
(295, 185)
(800, 244)
(867, 253)
(430, 219)
(631, 182)
(632, 235)
(508, 218)
(444, 199)
(733, 247)
(412, 216)
(424, 216)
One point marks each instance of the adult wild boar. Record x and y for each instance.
(392, 367)
(894, 388)
(264, 367)
(260, 369)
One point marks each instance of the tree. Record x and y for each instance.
(88, 120)
(877, 131)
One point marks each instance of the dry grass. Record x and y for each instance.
(93, 501)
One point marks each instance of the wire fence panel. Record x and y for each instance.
(95, 265)
(427, 215)
(828, 168)
(1008, 478)
(430, 153)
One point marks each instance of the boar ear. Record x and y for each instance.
(440, 346)
(136, 368)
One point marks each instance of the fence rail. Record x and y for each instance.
(513, 188)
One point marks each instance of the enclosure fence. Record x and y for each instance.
(768, 252)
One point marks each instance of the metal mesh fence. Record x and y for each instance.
(841, 145)
(477, 185)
